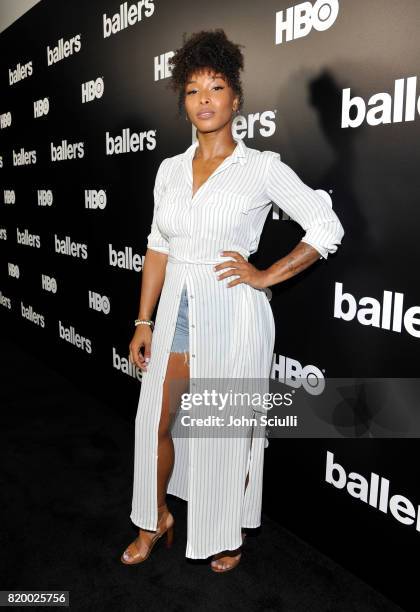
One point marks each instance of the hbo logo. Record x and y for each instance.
(5, 120)
(41, 107)
(9, 196)
(300, 19)
(14, 271)
(45, 197)
(49, 283)
(92, 90)
(293, 374)
(95, 199)
(98, 302)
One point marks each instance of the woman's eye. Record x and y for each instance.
(194, 90)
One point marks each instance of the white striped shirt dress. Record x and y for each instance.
(231, 331)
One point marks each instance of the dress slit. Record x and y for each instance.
(172, 417)
(249, 462)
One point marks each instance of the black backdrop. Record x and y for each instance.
(295, 103)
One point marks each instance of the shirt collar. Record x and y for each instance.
(239, 154)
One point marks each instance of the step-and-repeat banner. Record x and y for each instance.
(86, 117)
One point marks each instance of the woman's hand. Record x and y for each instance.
(247, 273)
(142, 339)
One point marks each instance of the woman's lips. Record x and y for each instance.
(205, 114)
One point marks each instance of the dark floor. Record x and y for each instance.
(66, 477)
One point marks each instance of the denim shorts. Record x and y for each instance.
(180, 342)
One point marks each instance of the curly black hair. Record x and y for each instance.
(207, 48)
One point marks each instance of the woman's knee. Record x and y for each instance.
(165, 419)
(164, 433)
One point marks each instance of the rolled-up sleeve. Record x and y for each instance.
(156, 240)
(314, 214)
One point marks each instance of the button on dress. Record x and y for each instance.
(231, 330)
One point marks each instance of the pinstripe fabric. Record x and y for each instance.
(231, 331)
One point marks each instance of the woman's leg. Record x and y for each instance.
(176, 382)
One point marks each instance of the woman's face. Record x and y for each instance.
(207, 91)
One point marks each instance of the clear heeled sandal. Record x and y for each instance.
(139, 550)
(234, 557)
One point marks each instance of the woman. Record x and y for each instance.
(213, 319)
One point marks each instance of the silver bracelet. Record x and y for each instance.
(144, 322)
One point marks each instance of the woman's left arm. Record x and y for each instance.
(324, 231)
(305, 206)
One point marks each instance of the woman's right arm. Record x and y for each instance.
(153, 276)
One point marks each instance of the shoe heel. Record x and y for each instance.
(170, 537)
